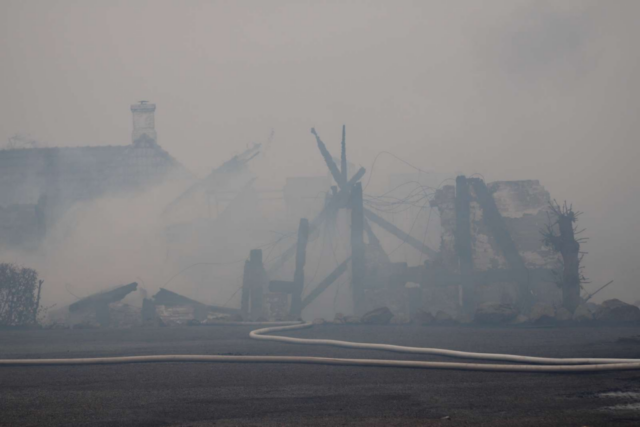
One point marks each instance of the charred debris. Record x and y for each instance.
(507, 253)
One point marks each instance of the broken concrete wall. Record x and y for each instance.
(524, 206)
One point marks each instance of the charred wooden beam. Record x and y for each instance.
(245, 294)
(356, 177)
(328, 281)
(334, 203)
(343, 195)
(254, 281)
(298, 276)
(495, 222)
(313, 227)
(330, 207)
(214, 179)
(357, 248)
(103, 298)
(337, 176)
(412, 241)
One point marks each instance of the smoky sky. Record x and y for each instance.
(508, 89)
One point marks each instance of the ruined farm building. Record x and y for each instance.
(38, 184)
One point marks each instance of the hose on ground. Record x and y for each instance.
(552, 365)
(259, 335)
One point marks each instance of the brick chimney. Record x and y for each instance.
(143, 120)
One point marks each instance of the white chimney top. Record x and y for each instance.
(143, 121)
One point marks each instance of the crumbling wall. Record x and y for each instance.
(524, 206)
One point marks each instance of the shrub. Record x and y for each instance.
(19, 295)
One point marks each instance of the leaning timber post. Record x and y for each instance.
(463, 244)
(357, 249)
(410, 240)
(498, 228)
(570, 251)
(324, 285)
(298, 276)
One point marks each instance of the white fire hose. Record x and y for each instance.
(538, 364)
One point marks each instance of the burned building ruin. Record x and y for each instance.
(37, 185)
(490, 248)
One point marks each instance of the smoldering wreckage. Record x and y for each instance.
(508, 254)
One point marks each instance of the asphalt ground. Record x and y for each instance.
(202, 394)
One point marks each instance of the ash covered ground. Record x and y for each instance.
(199, 394)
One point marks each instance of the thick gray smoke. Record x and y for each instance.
(507, 89)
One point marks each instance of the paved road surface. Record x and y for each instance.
(190, 394)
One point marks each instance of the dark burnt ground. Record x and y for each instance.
(200, 394)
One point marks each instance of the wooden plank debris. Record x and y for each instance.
(92, 302)
(412, 241)
(171, 299)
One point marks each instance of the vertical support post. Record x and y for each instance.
(253, 283)
(259, 283)
(246, 291)
(298, 276)
(463, 244)
(357, 248)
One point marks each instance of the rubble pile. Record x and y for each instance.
(124, 315)
(176, 315)
(616, 311)
(379, 316)
(107, 310)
